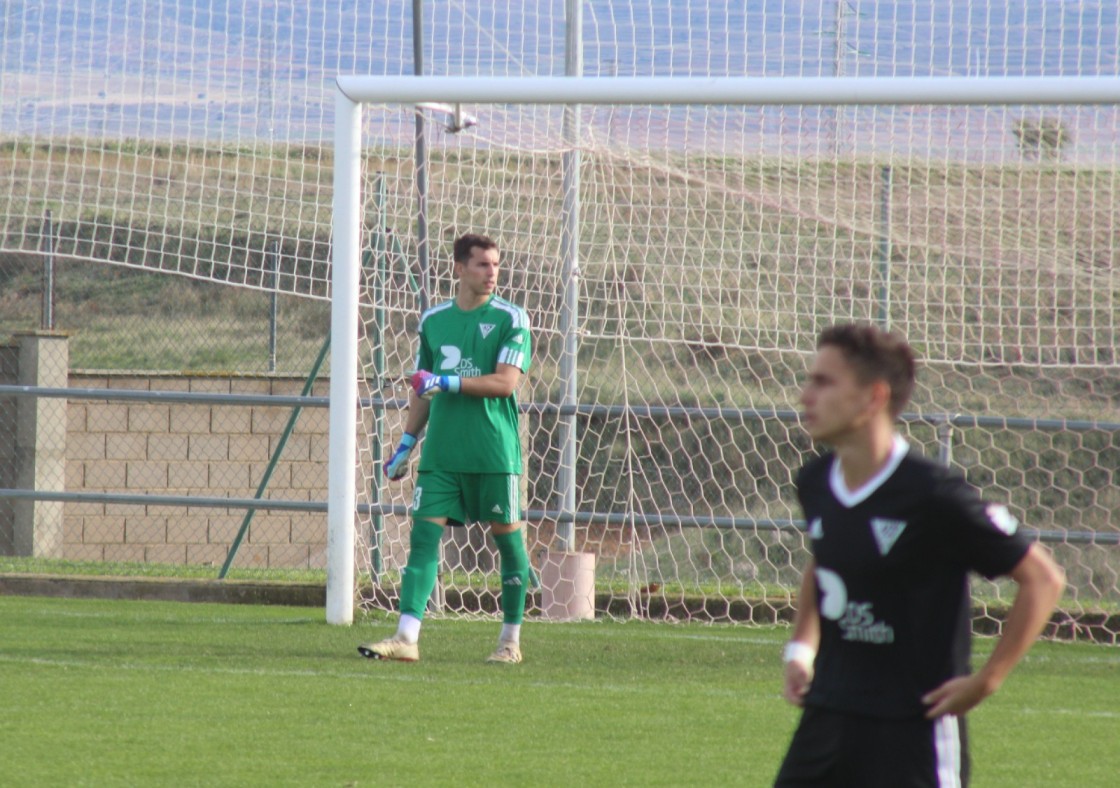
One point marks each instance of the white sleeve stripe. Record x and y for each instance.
(947, 751)
(512, 357)
(432, 310)
(519, 318)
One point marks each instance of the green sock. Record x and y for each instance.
(419, 577)
(515, 575)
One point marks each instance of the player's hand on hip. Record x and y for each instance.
(426, 385)
(797, 679)
(956, 696)
(396, 467)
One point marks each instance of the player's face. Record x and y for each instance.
(478, 276)
(834, 402)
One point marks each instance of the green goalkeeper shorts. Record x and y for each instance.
(467, 497)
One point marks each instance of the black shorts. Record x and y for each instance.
(835, 749)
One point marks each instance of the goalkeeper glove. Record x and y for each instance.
(426, 385)
(397, 465)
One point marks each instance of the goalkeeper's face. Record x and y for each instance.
(478, 275)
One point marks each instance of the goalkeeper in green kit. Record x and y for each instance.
(472, 353)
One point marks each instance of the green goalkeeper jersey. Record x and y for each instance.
(473, 434)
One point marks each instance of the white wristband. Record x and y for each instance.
(796, 651)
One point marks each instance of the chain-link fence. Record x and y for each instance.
(129, 319)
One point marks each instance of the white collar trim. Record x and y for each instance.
(850, 498)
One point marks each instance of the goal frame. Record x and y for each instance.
(352, 91)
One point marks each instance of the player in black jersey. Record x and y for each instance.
(879, 658)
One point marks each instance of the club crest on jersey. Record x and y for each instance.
(1002, 519)
(485, 328)
(886, 532)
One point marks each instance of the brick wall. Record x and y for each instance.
(188, 449)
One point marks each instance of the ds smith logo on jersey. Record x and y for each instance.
(453, 361)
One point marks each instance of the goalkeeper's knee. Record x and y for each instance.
(424, 541)
(511, 550)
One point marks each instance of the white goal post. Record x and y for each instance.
(357, 90)
(352, 92)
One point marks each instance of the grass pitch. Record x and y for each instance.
(146, 693)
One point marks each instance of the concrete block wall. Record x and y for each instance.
(189, 449)
(9, 375)
(33, 443)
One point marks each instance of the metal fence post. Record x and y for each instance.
(274, 259)
(885, 248)
(945, 440)
(46, 314)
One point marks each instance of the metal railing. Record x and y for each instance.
(943, 423)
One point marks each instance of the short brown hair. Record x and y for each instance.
(461, 249)
(875, 354)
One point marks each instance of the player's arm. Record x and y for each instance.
(1040, 582)
(801, 650)
(396, 464)
(502, 382)
(418, 410)
(499, 384)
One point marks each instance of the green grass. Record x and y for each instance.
(22, 565)
(145, 693)
(611, 581)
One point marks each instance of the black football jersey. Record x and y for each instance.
(892, 565)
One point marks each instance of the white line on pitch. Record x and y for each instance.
(384, 673)
(1107, 715)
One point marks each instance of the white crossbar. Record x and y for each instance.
(731, 90)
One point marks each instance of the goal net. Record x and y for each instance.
(173, 160)
(712, 242)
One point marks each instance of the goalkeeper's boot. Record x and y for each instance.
(506, 654)
(391, 648)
